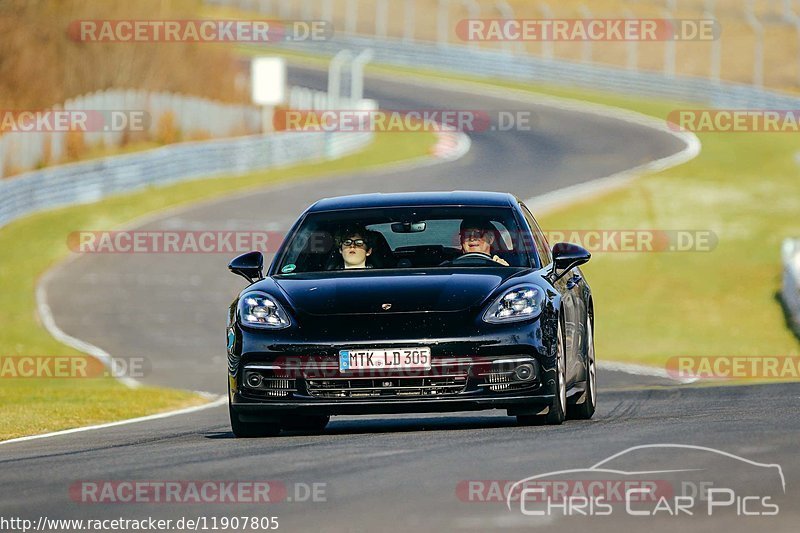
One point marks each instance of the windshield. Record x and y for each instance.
(409, 237)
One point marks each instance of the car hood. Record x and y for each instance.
(369, 292)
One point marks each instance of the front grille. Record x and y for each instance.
(388, 386)
(277, 387)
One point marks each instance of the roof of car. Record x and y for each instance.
(408, 199)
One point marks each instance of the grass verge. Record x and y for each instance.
(34, 244)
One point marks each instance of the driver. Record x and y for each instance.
(477, 236)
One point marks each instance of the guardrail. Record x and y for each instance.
(90, 181)
(790, 289)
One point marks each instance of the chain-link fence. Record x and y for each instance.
(756, 41)
(115, 117)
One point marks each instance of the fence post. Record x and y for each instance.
(306, 10)
(265, 6)
(381, 18)
(409, 14)
(442, 24)
(547, 45)
(351, 17)
(285, 9)
(632, 59)
(327, 11)
(790, 16)
(758, 51)
(669, 48)
(716, 50)
(586, 46)
(507, 13)
(473, 12)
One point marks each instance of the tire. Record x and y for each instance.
(250, 430)
(313, 423)
(585, 410)
(557, 412)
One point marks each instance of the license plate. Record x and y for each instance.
(400, 358)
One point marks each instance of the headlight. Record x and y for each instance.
(520, 303)
(259, 310)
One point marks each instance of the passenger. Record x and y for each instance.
(355, 245)
(478, 236)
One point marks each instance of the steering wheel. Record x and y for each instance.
(473, 258)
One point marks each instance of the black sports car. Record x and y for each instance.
(423, 302)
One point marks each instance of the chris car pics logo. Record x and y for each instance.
(678, 480)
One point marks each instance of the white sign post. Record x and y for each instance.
(268, 84)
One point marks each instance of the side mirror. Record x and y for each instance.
(250, 266)
(567, 256)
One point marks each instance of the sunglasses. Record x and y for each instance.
(472, 234)
(358, 243)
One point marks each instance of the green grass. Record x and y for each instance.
(745, 187)
(650, 306)
(32, 245)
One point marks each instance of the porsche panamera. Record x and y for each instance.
(411, 302)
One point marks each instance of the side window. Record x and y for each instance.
(542, 247)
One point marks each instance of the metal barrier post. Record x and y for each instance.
(357, 74)
(335, 77)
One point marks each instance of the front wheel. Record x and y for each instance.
(585, 410)
(557, 412)
(249, 430)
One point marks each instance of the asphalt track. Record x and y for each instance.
(387, 473)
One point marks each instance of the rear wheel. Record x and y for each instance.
(585, 410)
(557, 412)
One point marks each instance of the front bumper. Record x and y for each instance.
(468, 373)
(520, 381)
(254, 412)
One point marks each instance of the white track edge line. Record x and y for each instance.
(641, 370)
(187, 410)
(49, 323)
